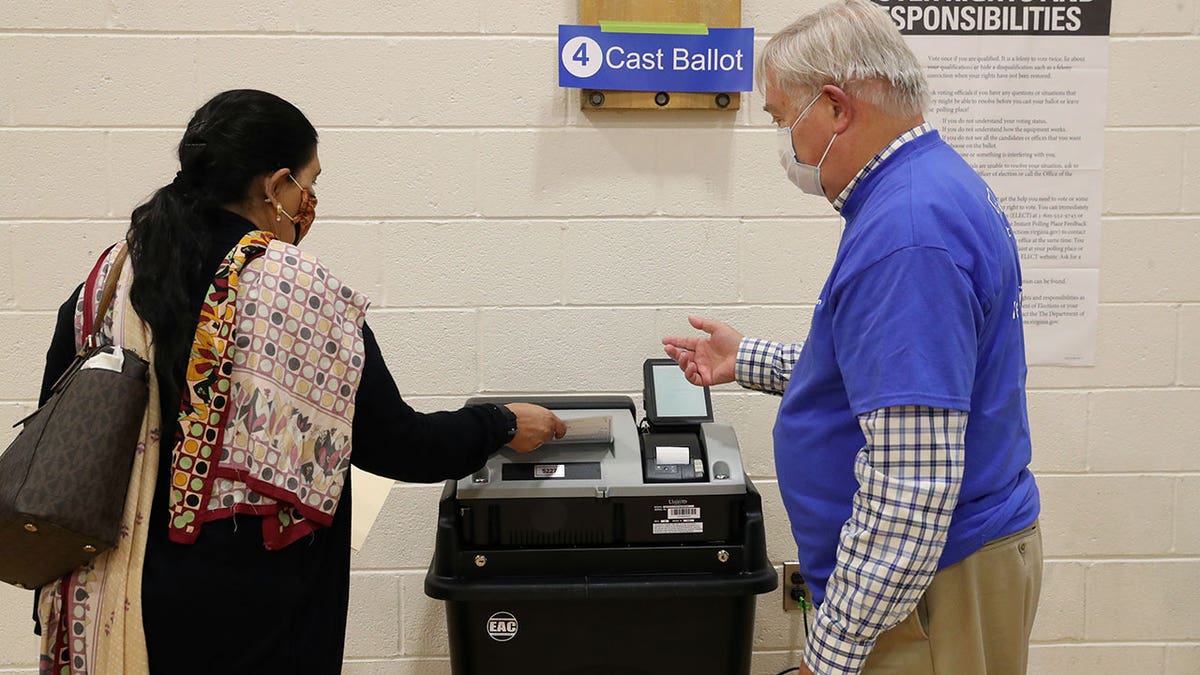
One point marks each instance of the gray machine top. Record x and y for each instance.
(600, 469)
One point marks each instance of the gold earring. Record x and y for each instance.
(278, 212)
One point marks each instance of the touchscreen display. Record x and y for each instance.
(674, 396)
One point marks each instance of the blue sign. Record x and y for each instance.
(591, 58)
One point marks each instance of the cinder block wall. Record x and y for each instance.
(513, 244)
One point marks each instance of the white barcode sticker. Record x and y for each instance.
(683, 513)
(678, 528)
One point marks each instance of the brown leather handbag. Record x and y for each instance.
(63, 479)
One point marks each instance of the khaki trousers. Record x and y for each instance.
(974, 619)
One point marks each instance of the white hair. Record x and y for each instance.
(852, 44)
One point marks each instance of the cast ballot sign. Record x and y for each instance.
(698, 60)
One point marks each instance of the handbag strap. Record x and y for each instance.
(106, 298)
(92, 339)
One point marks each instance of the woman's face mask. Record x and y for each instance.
(306, 213)
(804, 176)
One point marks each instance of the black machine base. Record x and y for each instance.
(631, 636)
(615, 603)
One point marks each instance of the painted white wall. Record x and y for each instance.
(512, 243)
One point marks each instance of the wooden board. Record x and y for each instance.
(714, 13)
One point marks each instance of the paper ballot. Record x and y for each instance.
(587, 430)
(370, 492)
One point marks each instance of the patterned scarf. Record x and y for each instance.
(264, 428)
(265, 421)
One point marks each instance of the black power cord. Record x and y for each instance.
(793, 669)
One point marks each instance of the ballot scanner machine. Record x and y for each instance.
(626, 548)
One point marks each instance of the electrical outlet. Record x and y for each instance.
(796, 596)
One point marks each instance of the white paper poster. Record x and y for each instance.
(370, 492)
(1019, 88)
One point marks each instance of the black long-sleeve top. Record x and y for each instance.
(227, 605)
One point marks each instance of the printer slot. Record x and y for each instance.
(560, 453)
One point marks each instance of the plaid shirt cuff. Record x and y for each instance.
(764, 365)
(828, 652)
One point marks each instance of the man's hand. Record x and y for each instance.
(804, 669)
(535, 425)
(706, 361)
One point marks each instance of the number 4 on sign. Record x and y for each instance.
(580, 55)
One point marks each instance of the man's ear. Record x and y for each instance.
(272, 183)
(843, 108)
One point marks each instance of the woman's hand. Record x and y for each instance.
(535, 426)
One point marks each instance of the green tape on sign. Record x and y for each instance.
(653, 27)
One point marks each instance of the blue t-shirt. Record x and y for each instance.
(922, 307)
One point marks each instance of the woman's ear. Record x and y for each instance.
(273, 182)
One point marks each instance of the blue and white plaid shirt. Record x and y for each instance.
(909, 475)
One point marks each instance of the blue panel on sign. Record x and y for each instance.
(723, 60)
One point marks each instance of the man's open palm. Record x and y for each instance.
(706, 361)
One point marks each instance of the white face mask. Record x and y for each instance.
(804, 176)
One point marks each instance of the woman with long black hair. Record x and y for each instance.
(234, 552)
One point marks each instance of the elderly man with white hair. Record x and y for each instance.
(902, 439)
